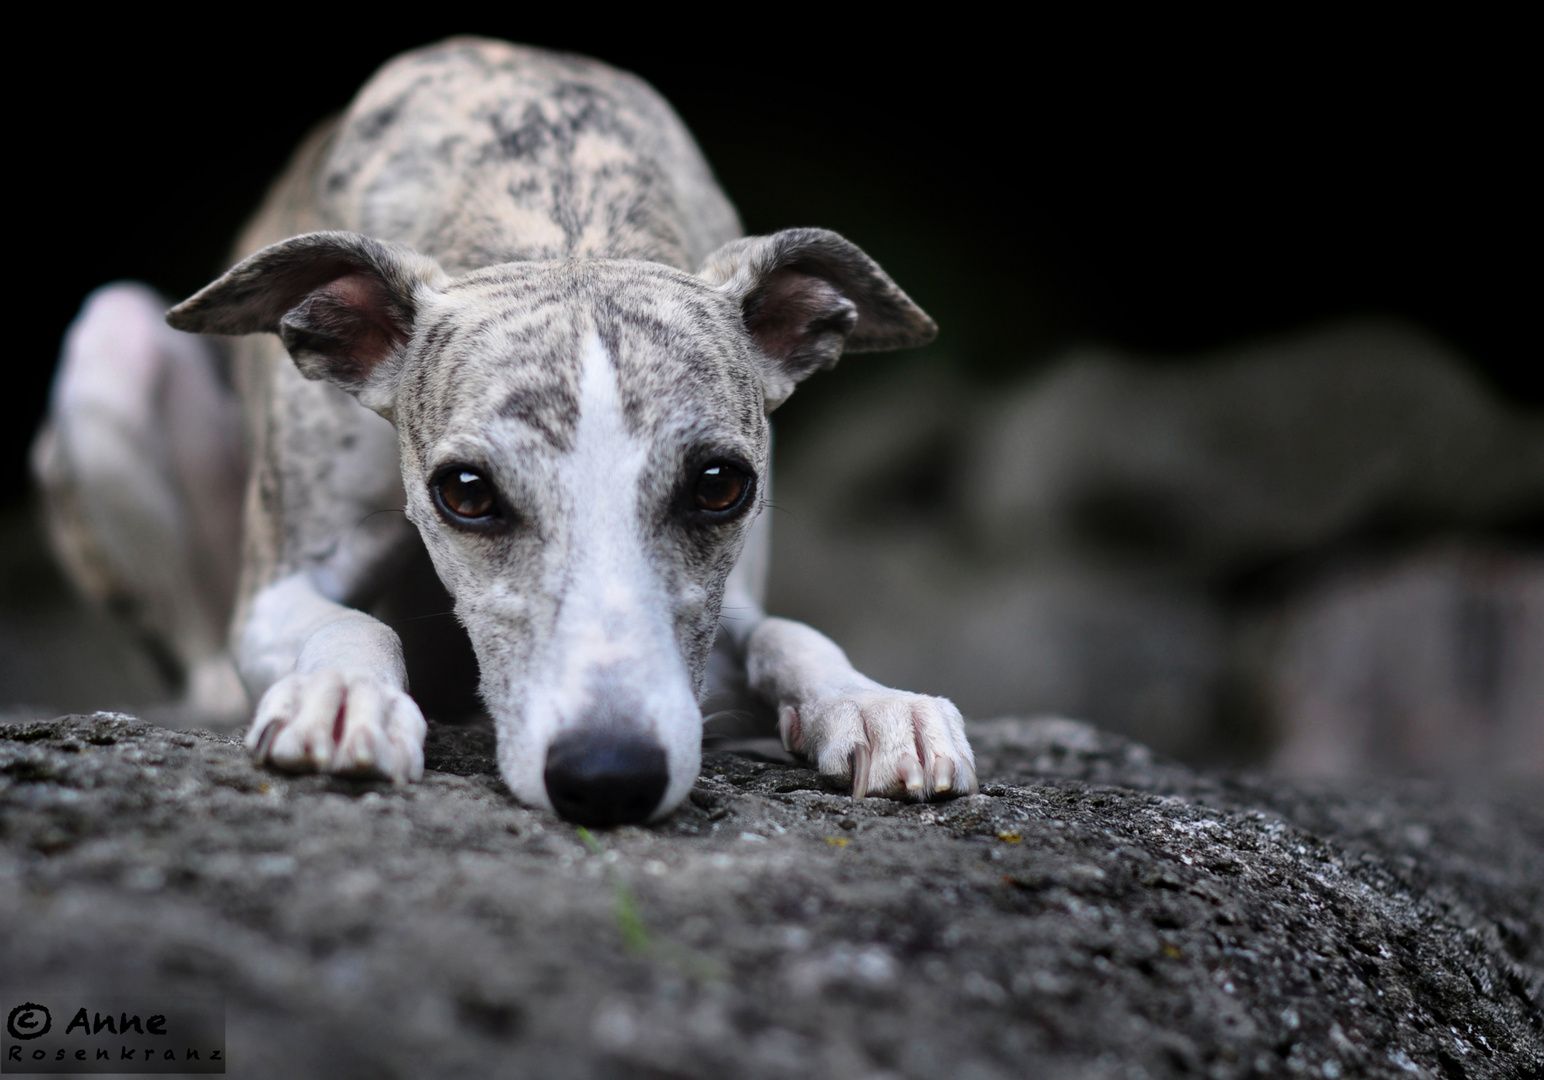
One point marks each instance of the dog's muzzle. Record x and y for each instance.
(606, 777)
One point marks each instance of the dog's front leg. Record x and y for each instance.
(336, 687)
(331, 682)
(885, 741)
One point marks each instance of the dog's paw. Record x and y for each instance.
(887, 742)
(339, 722)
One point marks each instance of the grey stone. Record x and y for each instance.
(1254, 453)
(1095, 911)
(1429, 662)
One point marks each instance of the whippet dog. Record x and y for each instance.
(516, 305)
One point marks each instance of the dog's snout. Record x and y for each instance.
(605, 777)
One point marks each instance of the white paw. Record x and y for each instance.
(339, 722)
(887, 742)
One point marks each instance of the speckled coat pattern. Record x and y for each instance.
(538, 157)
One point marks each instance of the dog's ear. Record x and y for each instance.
(807, 296)
(343, 304)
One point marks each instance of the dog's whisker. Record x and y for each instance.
(420, 618)
(383, 510)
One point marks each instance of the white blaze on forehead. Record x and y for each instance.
(615, 629)
(610, 568)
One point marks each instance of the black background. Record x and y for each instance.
(1165, 186)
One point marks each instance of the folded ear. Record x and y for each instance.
(807, 296)
(343, 304)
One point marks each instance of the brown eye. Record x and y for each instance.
(463, 494)
(720, 488)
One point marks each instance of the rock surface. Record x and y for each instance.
(1093, 912)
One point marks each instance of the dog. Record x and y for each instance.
(516, 305)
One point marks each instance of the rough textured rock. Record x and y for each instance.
(1093, 912)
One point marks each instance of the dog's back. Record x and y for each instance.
(480, 152)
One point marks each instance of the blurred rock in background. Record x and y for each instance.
(1323, 547)
(59, 654)
(1432, 662)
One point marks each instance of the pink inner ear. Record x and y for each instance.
(788, 309)
(356, 290)
(364, 326)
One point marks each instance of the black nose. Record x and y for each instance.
(605, 777)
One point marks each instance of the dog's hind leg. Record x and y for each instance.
(140, 462)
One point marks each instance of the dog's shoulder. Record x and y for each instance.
(478, 151)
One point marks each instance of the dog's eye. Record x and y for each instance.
(464, 494)
(720, 488)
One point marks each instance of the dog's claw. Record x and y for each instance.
(861, 761)
(264, 741)
(943, 774)
(788, 728)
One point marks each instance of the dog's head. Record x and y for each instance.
(583, 444)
